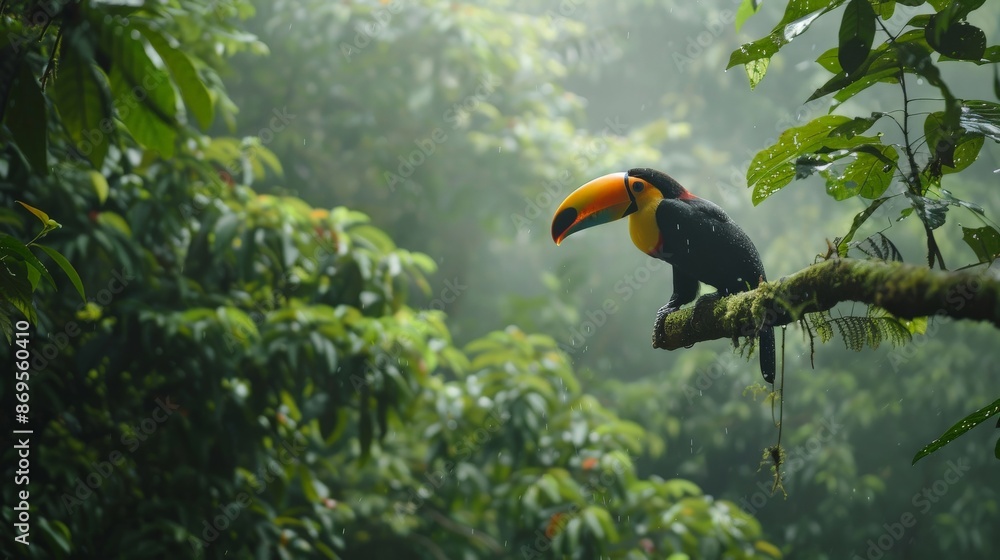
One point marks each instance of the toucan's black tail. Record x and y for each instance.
(766, 350)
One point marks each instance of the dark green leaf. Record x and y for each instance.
(25, 116)
(990, 56)
(144, 98)
(16, 287)
(959, 40)
(11, 245)
(80, 100)
(67, 268)
(857, 125)
(984, 241)
(193, 91)
(963, 425)
(881, 65)
(857, 31)
(996, 82)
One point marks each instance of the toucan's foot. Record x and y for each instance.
(659, 338)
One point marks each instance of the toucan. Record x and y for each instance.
(695, 236)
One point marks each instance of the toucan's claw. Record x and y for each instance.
(659, 337)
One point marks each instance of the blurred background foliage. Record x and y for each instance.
(308, 235)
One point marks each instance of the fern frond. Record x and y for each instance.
(860, 331)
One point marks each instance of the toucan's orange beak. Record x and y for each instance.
(600, 201)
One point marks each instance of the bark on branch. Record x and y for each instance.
(905, 290)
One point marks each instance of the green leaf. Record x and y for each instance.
(115, 221)
(100, 185)
(25, 116)
(830, 60)
(16, 286)
(756, 70)
(880, 65)
(856, 126)
(965, 154)
(872, 171)
(963, 425)
(747, 8)
(857, 31)
(41, 215)
(774, 167)
(144, 98)
(885, 8)
(959, 40)
(996, 82)
(799, 15)
(80, 100)
(11, 245)
(859, 219)
(984, 241)
(66, 267)
(57, 535)
(192, 88)
(869, 175)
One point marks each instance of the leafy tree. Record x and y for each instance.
(855, 165)
(247, 377)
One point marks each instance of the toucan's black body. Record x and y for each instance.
(667, 222)
(703, 244)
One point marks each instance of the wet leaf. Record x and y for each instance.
(984, 241)
(963, 425)
(857, 31)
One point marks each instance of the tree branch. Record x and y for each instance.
(905, 290)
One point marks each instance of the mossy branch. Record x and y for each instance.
(905, 290)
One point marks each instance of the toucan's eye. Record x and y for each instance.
(637, 186)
